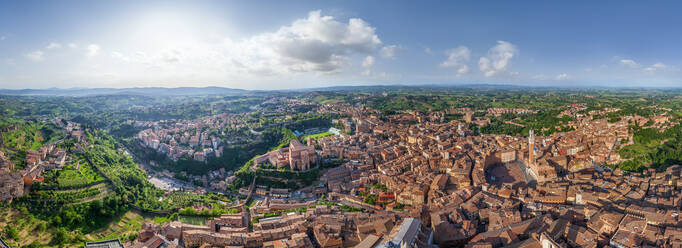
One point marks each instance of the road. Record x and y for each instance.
(254, 131)
(167, 183)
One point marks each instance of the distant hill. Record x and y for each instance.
(214, 90)
(428, 87)
(150, 91)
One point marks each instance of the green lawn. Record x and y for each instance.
(317, 136)
(193, 220)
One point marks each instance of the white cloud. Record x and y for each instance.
(315, 44)
(302, 50)
(498, 59)
(428, 50)
(368, 61)
(458, 58)
(172, 56)
(35, 55)
(390, 51)
(629, 63)
(562, 76)
(93, 50)
(381, 75)
(118, 55)
(53, 45)
(2, 38)
(656, 67)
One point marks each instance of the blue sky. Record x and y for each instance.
(297, 44)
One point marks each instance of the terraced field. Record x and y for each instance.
(122, 227)
(104, 190)
(58, 198)
(28, 226)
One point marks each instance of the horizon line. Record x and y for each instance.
(596, 86)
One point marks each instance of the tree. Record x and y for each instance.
(371, 199)
(12, 233)
(56, 220)
(34, 244)
(133, 236)
(61, 236)
(41, 227)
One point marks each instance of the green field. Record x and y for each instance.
(193, 220)
(317, 136)
(69, 177)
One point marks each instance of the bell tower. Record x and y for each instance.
(531, 147)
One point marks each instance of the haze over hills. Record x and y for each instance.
(151, 91)
(216, 90)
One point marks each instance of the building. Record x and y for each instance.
(410, 234)
(297, 156)
(368, 242)
(468, 116)
(301, 157)
(3, 244)
(228, 221)
(531, 147)
(114, 243)
(297, 240)
(11, 185)
(412, 196)
(281, 193)
(508, 156)
(548, 242)
(5, 163)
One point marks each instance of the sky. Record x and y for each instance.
(305, 44)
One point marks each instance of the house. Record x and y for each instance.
(11, 185)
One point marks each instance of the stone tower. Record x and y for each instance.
(531, 147)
